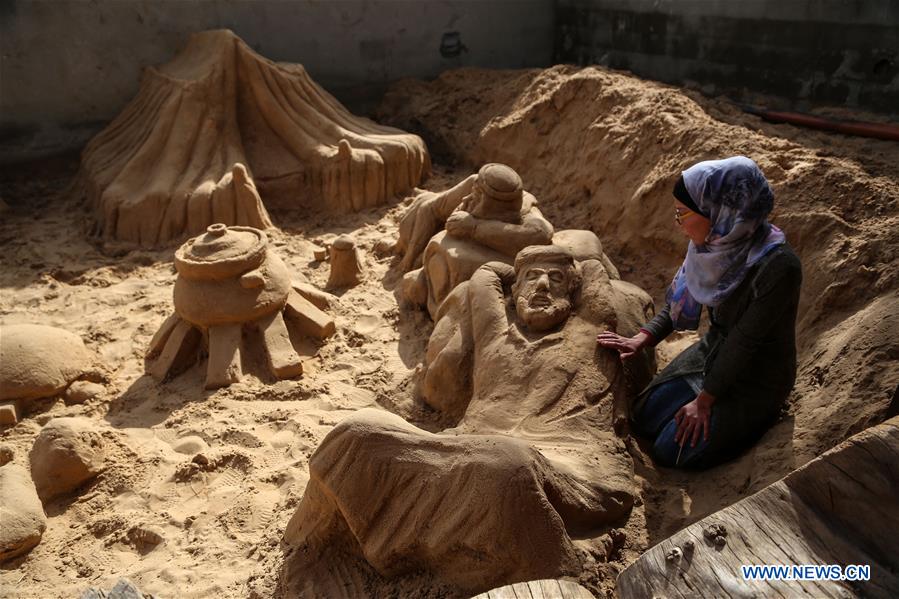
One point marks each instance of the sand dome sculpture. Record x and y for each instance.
(230, 280)
(219, 129)
(38, 361)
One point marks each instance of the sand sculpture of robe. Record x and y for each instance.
(533, 457)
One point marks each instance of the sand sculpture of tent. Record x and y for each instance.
(218, 129)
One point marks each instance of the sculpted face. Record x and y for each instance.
(542, 295)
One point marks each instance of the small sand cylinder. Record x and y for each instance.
(346, 265)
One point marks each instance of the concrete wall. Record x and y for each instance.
(807, 52)
(68, 67)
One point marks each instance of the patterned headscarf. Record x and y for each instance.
(735, 196)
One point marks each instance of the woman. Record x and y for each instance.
(719, 396)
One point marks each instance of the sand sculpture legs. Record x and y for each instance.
(178, 344)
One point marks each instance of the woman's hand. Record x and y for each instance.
(625, 346)
(694, 420)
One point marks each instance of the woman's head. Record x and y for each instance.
(732, 195)
(722, 205)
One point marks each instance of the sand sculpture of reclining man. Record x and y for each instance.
(533, 457)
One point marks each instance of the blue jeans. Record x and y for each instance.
(655, 420)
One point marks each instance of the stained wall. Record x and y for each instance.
(67, 68)
(806, 53)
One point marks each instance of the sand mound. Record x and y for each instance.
(839, 508)
(39, 361)
(67, 453)
(219, 121)
(601, 149)
(21, 512)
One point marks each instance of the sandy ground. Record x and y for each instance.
(600, 150)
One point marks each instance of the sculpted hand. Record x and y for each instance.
(693, 420)
(460, 224)
(626, 347)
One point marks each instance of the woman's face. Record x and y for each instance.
(694, 225)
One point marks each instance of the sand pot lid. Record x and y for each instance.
(221, 252)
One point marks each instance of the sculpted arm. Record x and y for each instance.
(510, 238)
(426, 217)
(487, 298)
(449, 200)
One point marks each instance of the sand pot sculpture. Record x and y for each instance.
(229, 279)
(219, 122)
(38, 361)
(487, 217)
(513, 361)
(840, 508)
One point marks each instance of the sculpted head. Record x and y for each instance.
(497, 193)
(546, 279)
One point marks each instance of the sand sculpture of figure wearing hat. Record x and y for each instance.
(488, 217)
(512, 362)
(493, 221)
(229, 279)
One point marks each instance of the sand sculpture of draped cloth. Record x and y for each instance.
(532, 460)
(218, 129)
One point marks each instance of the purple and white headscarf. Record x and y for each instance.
(734, 194)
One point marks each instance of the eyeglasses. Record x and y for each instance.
(680, 217)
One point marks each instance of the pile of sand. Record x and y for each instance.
(217, 474)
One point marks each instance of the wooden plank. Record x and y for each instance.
(538, 589)
(840, 508)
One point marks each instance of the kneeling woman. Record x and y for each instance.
(718, 396)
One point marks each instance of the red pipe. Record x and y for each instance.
(862, 129)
